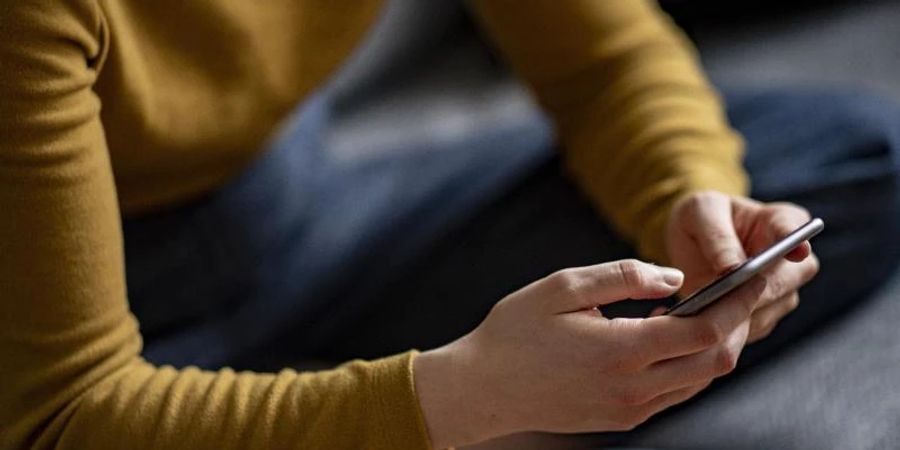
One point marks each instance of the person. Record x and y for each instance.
(163, 111)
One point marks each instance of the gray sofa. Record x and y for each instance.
(837, 389)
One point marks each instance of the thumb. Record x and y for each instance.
(714, 233)
(588, 287)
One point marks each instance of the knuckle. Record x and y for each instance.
(709, 334)
(631, 273)
(500, 308)
(564, 280)
(765, 332)
(699, 200)
(757, 331)
(693, 202)
(811, 268)
(793, 302)
(725, 360)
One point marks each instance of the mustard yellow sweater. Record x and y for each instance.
(134, 104)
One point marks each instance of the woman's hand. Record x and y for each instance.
(710, 233)
(545, 359)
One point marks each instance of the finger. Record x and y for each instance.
(681, 372)
(655, 339)
(800, 253)
(588, 287)
(787, 277)
(711, 225)
(736, 306)
(764, 320)
(782, 219)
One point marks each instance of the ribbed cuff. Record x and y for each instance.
(397, 409)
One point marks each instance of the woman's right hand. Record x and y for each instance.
(545, 359)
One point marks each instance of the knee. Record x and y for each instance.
(842, 135)
(864, 115)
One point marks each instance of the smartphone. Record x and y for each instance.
(741, 274)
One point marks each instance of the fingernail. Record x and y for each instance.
(672, 277)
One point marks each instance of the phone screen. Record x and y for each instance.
(708, 294)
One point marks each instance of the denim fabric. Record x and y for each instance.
(299, 241)
(309, 256)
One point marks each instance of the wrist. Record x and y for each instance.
(455, 400)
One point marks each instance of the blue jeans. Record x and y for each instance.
(310, 256)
